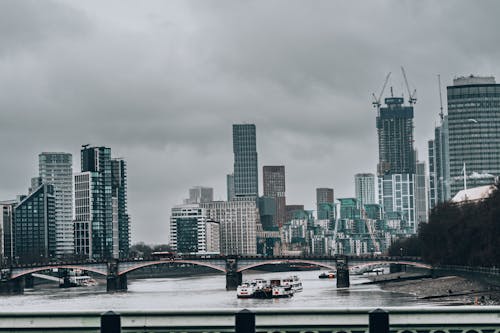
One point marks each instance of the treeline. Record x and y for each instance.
(142, 250)
(465, 234)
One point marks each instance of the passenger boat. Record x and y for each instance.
(260, 288)
(294, 282)
(329, 275)
(248, 289)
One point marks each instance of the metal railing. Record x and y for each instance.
(461, 319)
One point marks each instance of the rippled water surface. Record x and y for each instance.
(203, 292)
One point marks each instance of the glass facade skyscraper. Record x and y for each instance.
(121, 219)
(439, 167)
(274, 187)
(34, 226)
(474, 131)
(397, 160)
(246, 176)
(57, 169)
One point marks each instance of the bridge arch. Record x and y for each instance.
(45, 268)
(281, 261)
(176, 261)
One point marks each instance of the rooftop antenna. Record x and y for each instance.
(441, 114)
(412, 99)
(376, 101)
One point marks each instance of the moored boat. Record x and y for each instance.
(329, 275)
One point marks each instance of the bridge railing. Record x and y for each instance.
(471, 269)
(396, 320)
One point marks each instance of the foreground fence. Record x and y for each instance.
(468, 319)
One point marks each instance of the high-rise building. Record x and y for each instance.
(473, 132)
(200, 194)
(274, 186)
(102, 224)
(365, 189)
(56, 169)
(421, 212)
(439, 167)
(291, 210)
(267, 212)
(230, 187)
(325, 203)
(121, 219)
(397, 160)
(246, 178)
(395, 138)
(238, 225)
(35, 226)
(6, 230)
(191, 231)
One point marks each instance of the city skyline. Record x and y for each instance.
(166, 91)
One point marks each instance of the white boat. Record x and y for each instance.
(279, 290)
(82, 281)
(248, 289)
(294, 282)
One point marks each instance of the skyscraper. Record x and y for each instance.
(246, 176)
(365, 189)
(439, 167)
(325, 203)
(121, 219)
(395, 138)
(102, 224)
(200, 194)
(230, 187)
(473, 129)
(6, 230)
(420, 194)
(274, 187)
(35, 226)
(56, 169)
(397, 160)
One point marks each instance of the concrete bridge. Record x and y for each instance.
(13, 279)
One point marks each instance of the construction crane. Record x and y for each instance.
(376, 101)
(441, 114)
(412, 99)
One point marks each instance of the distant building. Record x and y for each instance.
(121, 219)
(267, 212)
(421, 211)
(6, 230)
(35, 226)
(191, 231)
(439, 166)
(246, 176)
(473, 130)
(238, 225)
(365, 188)
(102, 224)
(290, 211)
(274, 186)
(397, 160)
(57, 169)
(325, 203)
(230, 187)
(200, 194)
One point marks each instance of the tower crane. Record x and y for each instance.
(441, 114)
(412, 99)
(376, 101)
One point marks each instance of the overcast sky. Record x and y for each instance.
(162, 82)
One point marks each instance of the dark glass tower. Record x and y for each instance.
(395, 138)
(35, 226)
(120, 215)
(274, 187)
(325, 203)
(97, 160)
(246, 177)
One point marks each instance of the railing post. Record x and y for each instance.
(378, 321)
(245, 322)
(110, 322)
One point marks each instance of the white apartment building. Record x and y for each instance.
(238, 225)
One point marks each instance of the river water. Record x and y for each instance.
(204, 292)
